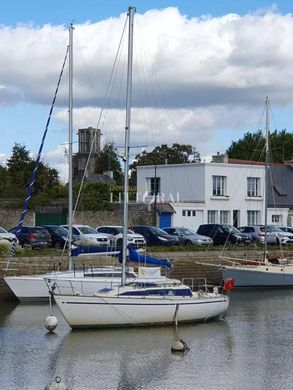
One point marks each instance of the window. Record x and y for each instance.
(253, 217)
(253, 186)
(153, 185)
(188, 213)
(219, 185)
(224, 216)
(276, 218)
(212, 216)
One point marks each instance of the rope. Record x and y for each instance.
(34, 173)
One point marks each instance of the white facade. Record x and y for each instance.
(209, 193)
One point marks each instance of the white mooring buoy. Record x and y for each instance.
(57, 385)
(51, 323)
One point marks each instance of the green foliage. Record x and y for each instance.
(17, 174)
(176, 154)
(3, 178)
(56, 193)
(252, 147)
(109, 161)
(93, 197)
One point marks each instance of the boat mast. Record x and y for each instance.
(267, 104)
(131, 11)
(70, 131)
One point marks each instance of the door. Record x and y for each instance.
(165, 220)
(236, 218)
(50, 219)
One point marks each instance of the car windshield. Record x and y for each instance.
(59, 230)
(156, 230)
(187, 232)
(273, 229)
(44, 232)
(86, 230)
(230, 229)
(120, 230)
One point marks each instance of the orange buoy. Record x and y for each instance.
(228, 285)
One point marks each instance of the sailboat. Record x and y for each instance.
(30, 288)
(265, 273)
(136, 304)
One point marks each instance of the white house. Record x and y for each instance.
(225, 192)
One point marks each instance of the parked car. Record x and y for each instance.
(33, 236)
(257, 233)
(155, 236)
(87, 233)
(59, 236)
(115, 235)
(287, 229)
(223, 234)
(282, 236)
(187, 236)
(5, 235)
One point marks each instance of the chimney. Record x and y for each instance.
(219, 158)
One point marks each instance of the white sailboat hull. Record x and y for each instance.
(32, 288)
(35, 289)
(261, 276)
(103, 312)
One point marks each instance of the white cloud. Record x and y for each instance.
(192, 76)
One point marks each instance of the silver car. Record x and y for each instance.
(187, 236)
(257, 233)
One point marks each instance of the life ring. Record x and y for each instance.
(228, 285)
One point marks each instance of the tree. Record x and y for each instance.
(252, 146)
(3, 179)
(19, 170)
(176, 154)
(108, 161)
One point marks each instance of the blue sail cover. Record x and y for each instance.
(142, 258)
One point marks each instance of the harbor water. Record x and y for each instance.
(250, 349)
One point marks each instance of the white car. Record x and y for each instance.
(87, 233)
(115, 234)
(282, 236)
(5, 235)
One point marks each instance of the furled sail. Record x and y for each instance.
(136, 257)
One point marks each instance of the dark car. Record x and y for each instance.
(154, 235)
(33, 236)
(59, 236)
(223, 234)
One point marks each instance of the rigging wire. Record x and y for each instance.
(100, 116)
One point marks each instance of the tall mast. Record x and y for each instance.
(131, 11)
(267, 174)
(70, 131)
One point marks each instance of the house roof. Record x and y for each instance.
(165, 208)
(280, 186)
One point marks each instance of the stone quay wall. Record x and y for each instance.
(138, 214)
(186, 266)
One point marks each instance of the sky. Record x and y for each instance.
(201, 72)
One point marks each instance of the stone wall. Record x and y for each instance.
(138, 214)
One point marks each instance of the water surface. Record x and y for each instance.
(250, 349)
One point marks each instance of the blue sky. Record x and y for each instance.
(63, 12)
(213, 72)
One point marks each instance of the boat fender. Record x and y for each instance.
(51, 323)
(228, 285)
